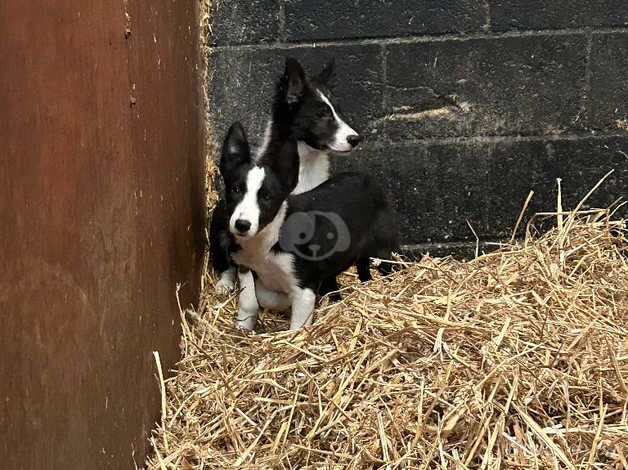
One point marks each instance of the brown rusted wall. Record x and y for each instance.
(101, 207)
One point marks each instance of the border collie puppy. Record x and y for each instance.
(302, 108)
(293, 243)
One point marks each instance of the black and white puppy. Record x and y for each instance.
(302, 108)
(293, 243)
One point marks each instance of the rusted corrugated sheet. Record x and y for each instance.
(101, 207)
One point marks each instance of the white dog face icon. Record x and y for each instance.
(314, 235)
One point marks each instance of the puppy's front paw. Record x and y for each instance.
(245, 323)
(224, 286)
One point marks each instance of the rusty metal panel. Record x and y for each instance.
(101, 208)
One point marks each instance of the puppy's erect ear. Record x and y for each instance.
(327, 76)
(285, 165)
(292, 81)
(235, 150)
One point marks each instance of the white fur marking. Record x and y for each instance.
(254, 249)
(271, 299)
(226, 283)
(276, 280)
(302, 308)
(248, 208)
(248, 306)
(340, 142)
(313, 168)
(274, 270)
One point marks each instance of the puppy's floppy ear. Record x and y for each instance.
(235, 150)
(285, 165)
(327, 76)
(292, 81)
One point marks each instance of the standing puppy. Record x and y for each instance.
(295, 243)
(302, 108)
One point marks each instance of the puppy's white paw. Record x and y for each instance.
(224, 286)
(245, 322)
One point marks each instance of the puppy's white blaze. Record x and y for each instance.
(340, 142)
(248, 208)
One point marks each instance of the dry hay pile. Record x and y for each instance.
(518, 359)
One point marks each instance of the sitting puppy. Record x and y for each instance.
(344, 219)
(304, 108)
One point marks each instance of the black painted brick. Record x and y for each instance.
(584, 162)
(459, 250)
(556, 14)
(437, 188)
(531, 85)
(514, 85)
(434, 189)
(244, 22)
(609, 82)
(242, 82)
(332, 19)
(517, 168)
(240, 88)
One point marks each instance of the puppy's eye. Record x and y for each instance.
(265, 195)
(323, 112)
(238, 189)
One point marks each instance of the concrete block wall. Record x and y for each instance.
(467, 105)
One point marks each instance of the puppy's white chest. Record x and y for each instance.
(313, 168)
(275, 270)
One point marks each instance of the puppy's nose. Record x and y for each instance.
(242, 225)
(354, 140)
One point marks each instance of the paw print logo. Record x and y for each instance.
(314, 235)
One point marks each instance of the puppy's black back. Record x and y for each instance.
(359, 202)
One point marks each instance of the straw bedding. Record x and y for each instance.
(517, 359)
